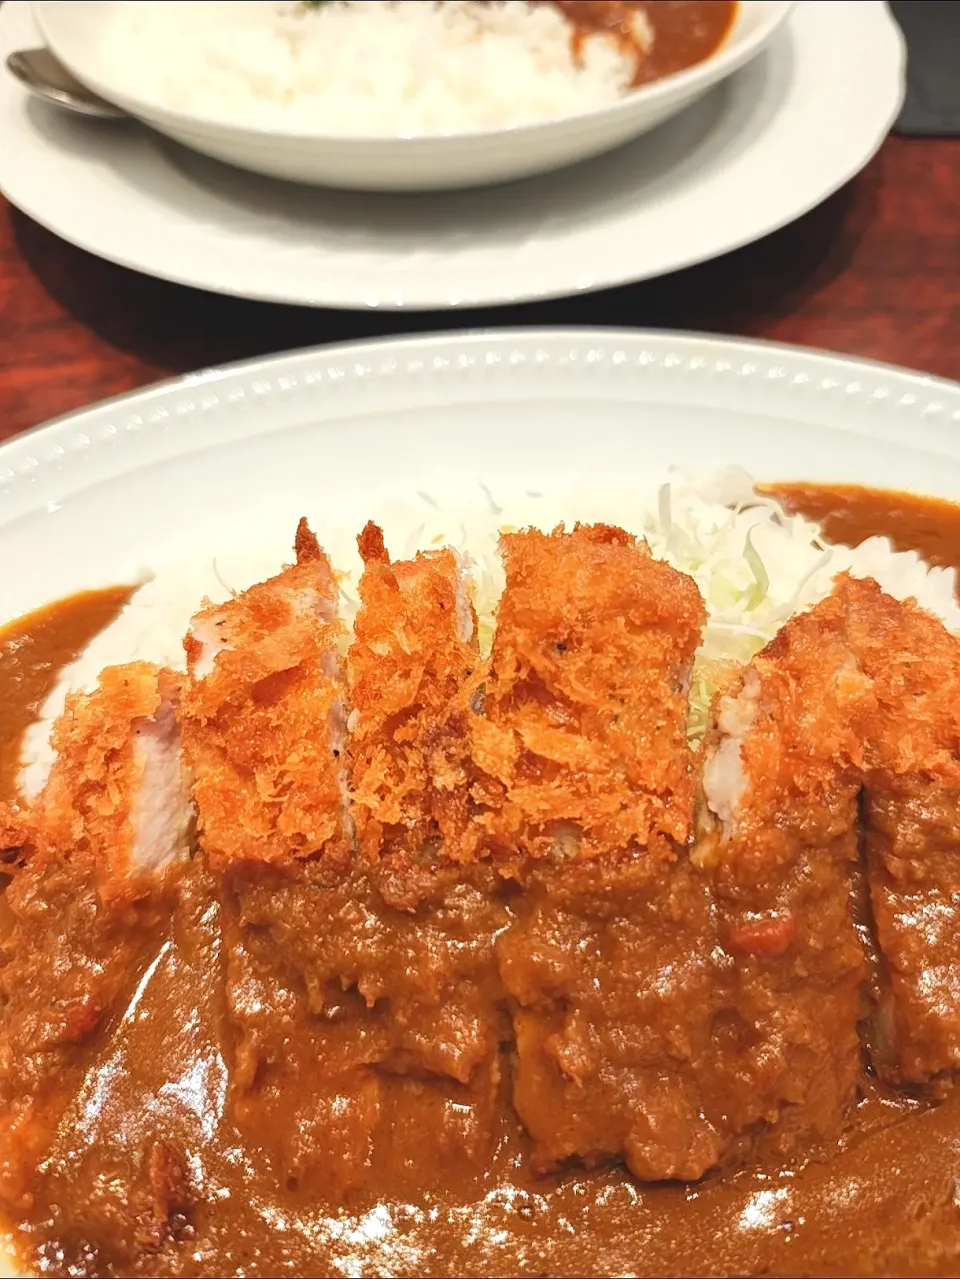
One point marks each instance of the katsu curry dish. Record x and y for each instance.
(607, 924)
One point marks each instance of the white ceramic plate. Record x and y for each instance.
(76, 31)
(553, 423)
(755, 153)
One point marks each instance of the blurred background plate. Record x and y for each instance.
(755, 153)
(78, 31)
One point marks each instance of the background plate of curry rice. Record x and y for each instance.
(752, 155)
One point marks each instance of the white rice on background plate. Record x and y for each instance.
(372, 68)
(755, 566)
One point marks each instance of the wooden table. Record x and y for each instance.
(875, 271)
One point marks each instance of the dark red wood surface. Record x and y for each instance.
(874, 271)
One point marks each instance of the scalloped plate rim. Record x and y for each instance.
(19, 466)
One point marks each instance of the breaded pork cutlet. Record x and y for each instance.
(781, 781)
(263, 718)
(429, 969)
(582, 743)
(912, 818)
(588, 778)
(97, 852)
(117, 793)
(264, 729)
(410, 664)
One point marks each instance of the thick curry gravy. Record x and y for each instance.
(886, 1202)
(33, 649)
(850, 514)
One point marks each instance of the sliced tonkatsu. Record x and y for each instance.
(89, 901)
(586, 794)
(264, 726)
(427, 967)
(912, 829)
(779, 847)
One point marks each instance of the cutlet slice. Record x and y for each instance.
(428, 972)
(263, 721)
(118, 793)
(586, 794)
(264, 730)
(88, 901)
(410, 663)
(583, 739)
(780, 847)
(912, 816)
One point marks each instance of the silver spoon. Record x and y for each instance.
(47, 77)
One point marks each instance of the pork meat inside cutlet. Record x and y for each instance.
(428, 972)
(87, 900)
(781, 783)
(588, 779)
(912, 818)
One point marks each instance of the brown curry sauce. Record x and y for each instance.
(685, 32)
(886, 1202)
(33, 651)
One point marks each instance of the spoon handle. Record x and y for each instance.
(44, 74)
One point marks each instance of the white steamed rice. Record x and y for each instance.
(755, 566)
(372, 68)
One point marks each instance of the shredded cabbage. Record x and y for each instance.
(756, 565)
(748, 562)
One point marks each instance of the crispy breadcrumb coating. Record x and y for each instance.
(913, 664)
(263, 721)
(582, 744)
(788, 736)
(861, 690)
(409, 666)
